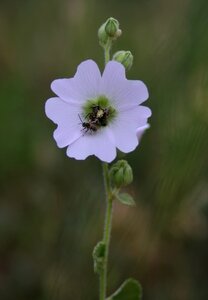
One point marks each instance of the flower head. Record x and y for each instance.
(98, 113)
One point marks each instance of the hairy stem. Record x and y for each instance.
(107, 51)
(107, 231)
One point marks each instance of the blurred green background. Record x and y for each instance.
(52, 207)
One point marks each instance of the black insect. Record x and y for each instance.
(103, 115)
(93, 116)
(88, 126)
(95, 119)
(99, 115)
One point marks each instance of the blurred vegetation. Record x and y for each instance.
(52, 207)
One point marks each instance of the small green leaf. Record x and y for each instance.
(129, 290)
(126, 199)
(98, 256)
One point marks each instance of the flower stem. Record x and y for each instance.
(107, 231)
(107, 51)
(109, 208)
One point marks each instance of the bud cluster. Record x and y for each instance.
(109, 31)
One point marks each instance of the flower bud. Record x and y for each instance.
(125, 58)
(108, 30)
(121, 174)
(111, 27)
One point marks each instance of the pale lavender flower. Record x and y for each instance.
(98, 113)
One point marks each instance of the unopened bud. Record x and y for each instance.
(121, 173)
(125, 58)
(111, 27)
(109, 30)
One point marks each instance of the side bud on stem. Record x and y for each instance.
(121, 174)
(109, 31)
(125, 58)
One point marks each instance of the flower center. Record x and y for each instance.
(97, 113)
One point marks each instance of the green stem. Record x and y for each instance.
(107, 231)
(107, 51)
(109, 207)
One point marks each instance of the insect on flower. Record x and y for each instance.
(88, 126)
(99, 115)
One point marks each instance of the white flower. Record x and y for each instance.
(98, 113)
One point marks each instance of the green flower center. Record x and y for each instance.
(97, 113)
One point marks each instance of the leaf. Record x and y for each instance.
(129, 290)
(126, 199)
(98, 256)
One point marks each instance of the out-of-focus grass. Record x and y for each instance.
(51, 207)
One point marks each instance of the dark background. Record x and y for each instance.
(52, 207)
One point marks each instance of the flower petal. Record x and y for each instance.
(140, 130)
(125, 125)
(66, 116)
(125, 139)
(99, 144)
(112, 78)
(83, 86)
(87, 79)
(134, 117)
(134, 93)
(65, 88)
(123, 93)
